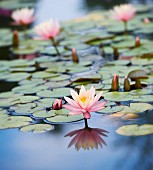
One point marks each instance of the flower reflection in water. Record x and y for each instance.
(87, 137)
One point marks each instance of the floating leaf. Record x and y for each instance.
(43, 114)
(118, 96)
(136, 108)
(61, 92)
(14, 122)
(109, 110)
(37, 128)
(64, 119)
(135, 130)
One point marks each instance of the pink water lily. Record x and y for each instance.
(48, 30)
(84, 102)
(124, 12)
(23, 16)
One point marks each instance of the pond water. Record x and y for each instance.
(49, 150)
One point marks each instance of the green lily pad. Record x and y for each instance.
(57, 84)
(29, 89)
(43, 75)
(60, 92)
(37, 128)
(9, 94)
(140, 92)
(64, 119)
(14, 122)
(43, 114)
(15, 77)
(135, 130)
(25, 109)
(136, 108)
(118, 96)
(109, 110)
(143, 98)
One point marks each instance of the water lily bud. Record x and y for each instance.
(15, 39)
(75, 56)
(137, 42)
(57, 105)
(127, 86)
(116, 53)
(115, 83)
(146, 20)
(138, 84)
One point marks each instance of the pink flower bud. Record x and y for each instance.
(127, 86)
(57, 105)
(15, 39)
(115, 83)
(146, 20)
(75, 56)
(137, 42)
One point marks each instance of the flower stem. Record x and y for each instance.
(86, 123)
(55, 46)
(125, 27)
(25, 31)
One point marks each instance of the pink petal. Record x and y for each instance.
(74, 109)
(82, 91)
(97, 106)
(74, 95)
(71, 102)
(92, 92)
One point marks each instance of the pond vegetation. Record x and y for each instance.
(96, 52)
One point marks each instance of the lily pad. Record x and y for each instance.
(135, 130)
(136, 108)
(14, 122)
(60, 92)
(37, 128)
(118, 96)
(109, 110)
(64, 119)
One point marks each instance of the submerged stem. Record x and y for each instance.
(55, 46)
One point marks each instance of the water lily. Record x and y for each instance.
(124, 13)
(57, 105)
(48, 31)
(87, 138)
(84, 102)
(23, 16)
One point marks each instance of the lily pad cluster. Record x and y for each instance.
(103, 50)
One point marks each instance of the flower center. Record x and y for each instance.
(83, 99)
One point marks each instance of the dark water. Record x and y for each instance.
(48, 151)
